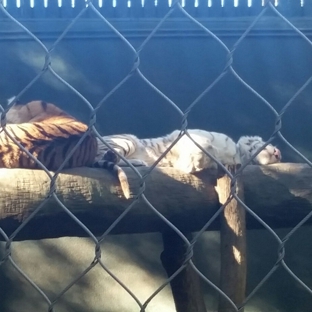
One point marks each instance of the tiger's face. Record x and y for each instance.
(34, 111)
(249, 146)
(269, 155)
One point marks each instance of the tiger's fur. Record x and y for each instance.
(185, 155)
(50, 134)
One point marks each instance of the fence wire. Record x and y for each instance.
(228, 70)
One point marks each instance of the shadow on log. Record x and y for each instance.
(280, 194)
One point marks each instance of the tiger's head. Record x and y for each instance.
(249, 145)
(34, 111)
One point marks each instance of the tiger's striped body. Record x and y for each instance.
(188, 157)
(50, 135)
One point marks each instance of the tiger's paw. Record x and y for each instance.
(111, 157)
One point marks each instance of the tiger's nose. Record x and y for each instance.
(277, 153)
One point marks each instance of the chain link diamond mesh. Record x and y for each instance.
(47, 66)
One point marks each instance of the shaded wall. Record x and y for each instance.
(181, 60)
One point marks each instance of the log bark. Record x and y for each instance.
(232, 243)
(280, 194)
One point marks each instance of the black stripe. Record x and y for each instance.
(83, 152)
(75, 128)
(28, 135)
(47, 151)
(40, 143)
(29, 111)
(65, 150)
(158, 147)
(62, 130)
(2, 154)
(22, 157)
(42, 131)
(11, 131)
(33, 149)
(4, 139)
(44, 105)
(9, 149)
(50, 165)
(70, 162)
(126, 152)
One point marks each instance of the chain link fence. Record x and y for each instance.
(191, 11)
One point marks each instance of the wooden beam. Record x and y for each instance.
(186, 286)
(280, 194)
(232, 242)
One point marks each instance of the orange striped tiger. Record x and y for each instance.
(50, 134)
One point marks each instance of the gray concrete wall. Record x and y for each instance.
(53, 263)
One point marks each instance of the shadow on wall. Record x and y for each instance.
(53, 263)
(181, 67)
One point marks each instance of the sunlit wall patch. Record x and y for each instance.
(275, 2)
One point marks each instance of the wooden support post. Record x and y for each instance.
(233, 244)
(186, 289)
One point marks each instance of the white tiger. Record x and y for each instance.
(185, 155)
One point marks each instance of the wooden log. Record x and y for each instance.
(186, 286)
(280, 194)
(232, 243)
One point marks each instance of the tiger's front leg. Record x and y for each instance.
(133, 162)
